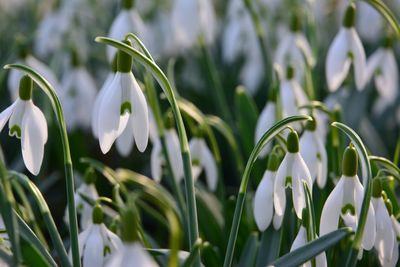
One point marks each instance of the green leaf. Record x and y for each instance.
(249, 253)
(32, 257)
(269, 248)
(312, 249)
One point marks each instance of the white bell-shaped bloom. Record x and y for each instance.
(265, 121)
(263, 208)
(300, 241)
(314, 154)
(345, 202)
(122, 112)
(27, 122)
(190, 19)
(14, 76)
(202, 159)
(385, 235)
(127, 21)
(383, 67)
(77, 96)
(97, 245)
(133, 255)
(174, 155)
(345, 49)
(291, 173)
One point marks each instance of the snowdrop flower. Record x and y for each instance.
(383, 67)
(345, 49)
(190, 19)
(301, 240)
(202, 159)
(97, 244)
(132, 252)
(345, 202)
(291, 95)
(29, 60)
(294, 48)
(174, 155)
(314, 153)
(385, 236)
(128, 20)
(396, 230)
(292, 173)
(265, 121)
(77, 95)
(122, 112)
(27, 122)
(263, 208)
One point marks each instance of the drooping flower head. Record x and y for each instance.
(346, 49)
(122, 112)
(27, 122)
(291, 173)
(345, 201)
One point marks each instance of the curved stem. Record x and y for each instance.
(265, 139)
(69, 177)
(183, 141)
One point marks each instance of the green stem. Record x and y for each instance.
(183, 141)
(265, 139)
(216, 90)
(51, 93)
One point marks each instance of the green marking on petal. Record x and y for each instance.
(15, 130)
(106, 250)
(288, 181)
(348, 208)
(126, 107)
(196, 162)
(350, 55)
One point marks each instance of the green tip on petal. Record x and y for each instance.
(97, 214)
(289, 72)
(124, 60)
(311, 125)
(127, 4)
(25, 88)
(273, 162)
(293, 142)
(389, 206)
(350, 161)
(350, 16)
(90, 176)
(376, 188)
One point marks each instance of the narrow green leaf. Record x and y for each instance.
(312, 249)
(269, 246)
(32, 257)
(249, 253)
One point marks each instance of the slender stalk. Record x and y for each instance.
(265, 139)
(69, 178)
(159, 75)
(216, 90)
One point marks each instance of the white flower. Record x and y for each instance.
(133, 255)
(190, 19)
(383, 67)
(77, 96)
(127, 21)
(265, 121)
(97, 245)
(314, 154)
(263, 208)
(300, 241)
(174, 155)
(345, 49)
(106, 84)
(122, 111)
(27, 122)
(385, 236)
(291, 173)
(15, 75)
(345, 202)
(202, 158)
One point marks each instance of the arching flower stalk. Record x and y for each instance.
(291, 173)
(263, 208)
(346, 49)
(314, 154)
(27, 122)
(345, 202)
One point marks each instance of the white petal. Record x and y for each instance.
(136, 256)
(384, 234)
(264, 122)
(387, 82)
(373, 63)
(125, 140)
(289, 104)
(277, 221)
(308, 150)
(109, 116)
(359, 59)
(14, 77)
(156, 161)
(279, 186)
(5, 115)
(300, 173)
(337, 62)
(332, 209)
(33, 137)
(82, 237)
(300, 240)
(92, 255)
(140, 116)
(305, 48)
(396, 226)
(97, 102)
(17, 116)
(320, 260)
(174, 153)
(263, 201)
(210, 167)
